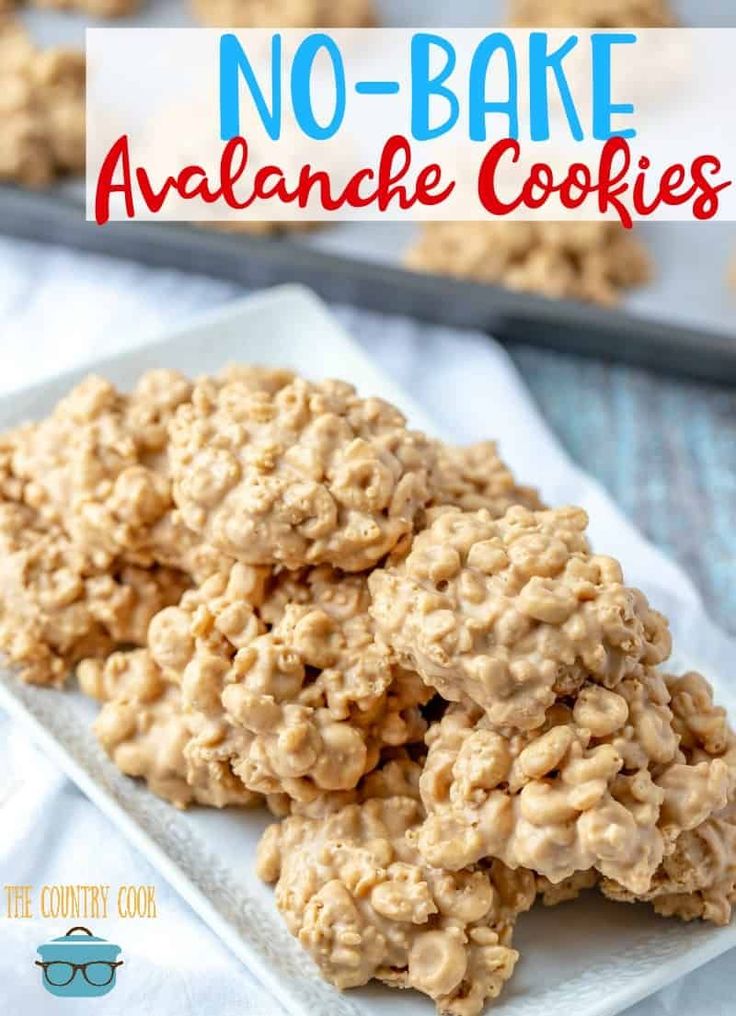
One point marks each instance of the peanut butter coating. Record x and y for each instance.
(591, 14)
(281, 595)
(697, 877)
(512, 612)
(591, 261)
(310, 474)
(355, 892)
(474, 476)
(145, 731)
(57, 606)
(601, 785)
(97, 465)
(41, 109)
(285, 13)
(305, 707)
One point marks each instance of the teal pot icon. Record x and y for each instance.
(79, 964)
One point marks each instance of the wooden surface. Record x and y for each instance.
(665, 450)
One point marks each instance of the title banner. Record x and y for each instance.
(392, 124)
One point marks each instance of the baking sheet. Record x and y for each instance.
(689, 291)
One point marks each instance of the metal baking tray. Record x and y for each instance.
(684, 322)
(255, 261)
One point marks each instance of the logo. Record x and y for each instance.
(79, 964)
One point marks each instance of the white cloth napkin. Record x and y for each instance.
(60, 309)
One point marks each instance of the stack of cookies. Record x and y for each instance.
(283, 597)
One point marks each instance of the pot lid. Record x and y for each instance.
(79, 936)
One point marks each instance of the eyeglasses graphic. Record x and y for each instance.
(98, 973)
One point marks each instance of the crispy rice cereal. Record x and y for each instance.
(285, 13)
(41, 109)
(591, 14)
(601, 785)
(591, 261)
(355, 892)
(57, 606)
(512, 612)
(309, 474)
(698, 878)
(474, 476)
(144, 731)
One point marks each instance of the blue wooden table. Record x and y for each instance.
(664, 448)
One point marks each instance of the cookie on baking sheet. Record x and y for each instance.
(285, 13)
(41, 110)
(590, 261)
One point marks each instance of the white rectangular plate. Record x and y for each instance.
(568, 953)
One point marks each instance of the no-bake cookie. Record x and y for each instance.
(591, 261)
(697, 878)
(97, 465)
(41, 109)
(602, 784)
(285, 13)
(355, 892)
(474, 476)
(57, 606)
(299, 704)
(310, 474)
(591, 14)
(145, 731)
(281, 595)
(513, 612)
